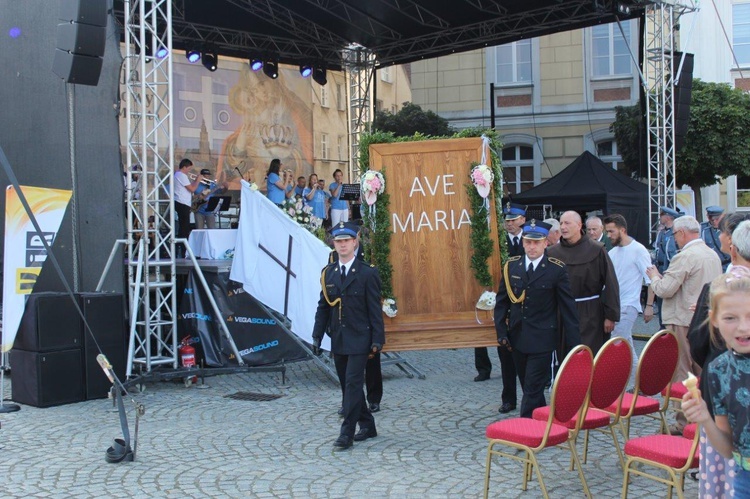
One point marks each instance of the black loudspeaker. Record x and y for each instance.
(50, 322)
(81, 39)
(683, 93)
(47, 379)
(104, 313)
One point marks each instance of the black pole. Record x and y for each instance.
(492, 106)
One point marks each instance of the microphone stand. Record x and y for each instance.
(5, 408)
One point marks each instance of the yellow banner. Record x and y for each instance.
(24, 249)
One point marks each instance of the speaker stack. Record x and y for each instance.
(81, 39)
(53, 359)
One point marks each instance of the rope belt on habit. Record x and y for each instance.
(587, 298)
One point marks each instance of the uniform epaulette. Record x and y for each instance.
(514, 258)
(557, 262)
(372, 265)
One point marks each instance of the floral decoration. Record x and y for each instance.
(389, 307)
(373, 184)
(482, 178)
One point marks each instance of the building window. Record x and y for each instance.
(324, 152)
(340, 97)
(378, 105)
(386, 75)
(518, 168)
(341, 146)
(743, 192)
(610, 53)
(323, 96)
(513, 63)
(607, 151)
(741, 33)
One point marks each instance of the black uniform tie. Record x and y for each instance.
(530, 270)
(515, 245)
(343, 273)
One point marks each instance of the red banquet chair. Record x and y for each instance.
(612, 368)
(569, 397)
(655, 370)
(673, 394)
(674, 454)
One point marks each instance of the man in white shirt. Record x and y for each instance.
(183, 196)
(630, 260)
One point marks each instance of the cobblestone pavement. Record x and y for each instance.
(198, 443)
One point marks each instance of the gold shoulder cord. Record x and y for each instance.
(513, 298)
(333, 303)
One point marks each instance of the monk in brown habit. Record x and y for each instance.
(592, 280)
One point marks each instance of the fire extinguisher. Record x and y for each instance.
(187, 353)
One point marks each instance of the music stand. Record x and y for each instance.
(220, 202)
(350, 192)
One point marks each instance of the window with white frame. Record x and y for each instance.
(609, 50)
(386, 75)
(513, 63)
(340, 97)
(518, 168)
(323, 96)
(743, 192)
(607, 151)
(324, 144)
(341, 145)
(741, 33)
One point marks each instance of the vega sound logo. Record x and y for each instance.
(197, 316)
(258, 348)
(188, 291)
(261, 321)
(236, 291)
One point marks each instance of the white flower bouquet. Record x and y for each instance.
(389, 307)
(372, 183)
(482, 177)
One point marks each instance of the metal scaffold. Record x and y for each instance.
(359, 64)
(660, 68)
(150, 213)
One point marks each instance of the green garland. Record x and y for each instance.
(481, 244)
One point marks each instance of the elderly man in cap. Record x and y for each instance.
(533, 299)
(515, 217)
(679, 287)
(592, 280)
(349, 309)
(710, 234)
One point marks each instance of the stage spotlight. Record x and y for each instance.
(319, 75)
(161, 53)
(193, 55)
(271, 69)
(210, 59)
(623, 8)
(256, 64)
(305, 70)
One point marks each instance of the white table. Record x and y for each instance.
(213, 244)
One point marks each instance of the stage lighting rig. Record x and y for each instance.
(305, 70)
(271, 68)
(319, 75)
(210, 59)
(161, 53)
(193, 55)
(256, 64)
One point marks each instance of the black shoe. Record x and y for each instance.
(482, 377)
(364, 434)
(506, 408)
(374, 407)
(342, 443)
(341, 411)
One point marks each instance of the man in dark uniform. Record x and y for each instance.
(349, 308)
(710, 234)
(515, 217)
(373, 370)
(535, 291)
(665, 246)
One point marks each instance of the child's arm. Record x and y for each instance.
(718, 432)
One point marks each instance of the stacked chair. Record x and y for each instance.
(570, 394)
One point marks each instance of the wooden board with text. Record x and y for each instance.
(433, 282)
